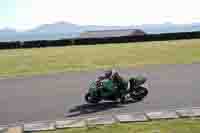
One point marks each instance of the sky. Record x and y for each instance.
(27, 14)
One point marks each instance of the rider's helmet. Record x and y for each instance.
(108, 73)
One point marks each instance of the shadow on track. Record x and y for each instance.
(85, 109)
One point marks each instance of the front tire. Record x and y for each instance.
(139, 94)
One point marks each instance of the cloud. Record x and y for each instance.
(108, 12)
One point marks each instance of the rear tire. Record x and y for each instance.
(90, 99)
(122, 100)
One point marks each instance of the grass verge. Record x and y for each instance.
(76, 58)
(163, 126)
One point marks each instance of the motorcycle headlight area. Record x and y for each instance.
(145, 85)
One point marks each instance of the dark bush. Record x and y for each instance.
(94, 41)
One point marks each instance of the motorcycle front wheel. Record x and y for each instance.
(139, 94)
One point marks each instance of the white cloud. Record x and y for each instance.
(109, 12)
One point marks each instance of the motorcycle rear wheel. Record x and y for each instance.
(90, 99)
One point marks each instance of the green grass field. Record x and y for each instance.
(169, 126)
(75, 58)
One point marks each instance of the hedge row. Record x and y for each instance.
(93, 41)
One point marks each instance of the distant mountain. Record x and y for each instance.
(7, 31)
(60, 27)
(68, 30)
(169, 28)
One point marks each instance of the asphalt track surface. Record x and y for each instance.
(56, 96)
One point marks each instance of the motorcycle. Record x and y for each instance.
(117, 90)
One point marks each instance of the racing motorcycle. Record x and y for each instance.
(117, 90)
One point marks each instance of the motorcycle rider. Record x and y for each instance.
(110, 74)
